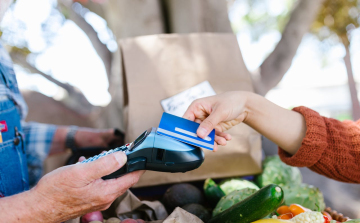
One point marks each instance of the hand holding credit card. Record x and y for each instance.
(185, 131)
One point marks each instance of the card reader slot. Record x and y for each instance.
(160, 154)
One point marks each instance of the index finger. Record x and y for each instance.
(190, 114)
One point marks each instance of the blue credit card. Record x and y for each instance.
(184, 130)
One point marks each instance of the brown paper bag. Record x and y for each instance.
(159, 66)
(179, 215)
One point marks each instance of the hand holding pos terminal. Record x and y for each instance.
(151, 151)
(173, 147)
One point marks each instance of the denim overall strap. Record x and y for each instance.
(13, 163)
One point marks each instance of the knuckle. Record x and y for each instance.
(195, 102)
(113, 161)
(109, 199)
(103, 199)
(133, 180)
(208, 123)
(106, 201)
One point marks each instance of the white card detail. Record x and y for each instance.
(177, 104)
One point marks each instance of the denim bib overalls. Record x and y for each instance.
(13, 166)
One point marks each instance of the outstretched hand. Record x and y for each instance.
(220, 112)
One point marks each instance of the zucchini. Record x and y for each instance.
(213, 192)
(255, 207)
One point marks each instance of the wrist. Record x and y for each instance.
(70, 141)
(58, 142)
(29, 208)
(38, 207)
(249, 101)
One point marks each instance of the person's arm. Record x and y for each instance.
(330, 147)
(284, 127)
(306, 139)
(84, 137)
(69, 192)
(43, 140)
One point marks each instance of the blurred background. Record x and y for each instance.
(300, 52)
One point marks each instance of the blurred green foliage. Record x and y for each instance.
(337, 17)
(344, 116)
(261, 18)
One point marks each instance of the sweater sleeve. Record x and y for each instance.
(330, 147)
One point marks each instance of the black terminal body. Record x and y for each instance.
(152, 151)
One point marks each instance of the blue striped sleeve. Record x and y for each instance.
(38, 140)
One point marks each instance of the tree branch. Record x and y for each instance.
(279, 61)
(100, 48)
(76, 99)
(352, 85)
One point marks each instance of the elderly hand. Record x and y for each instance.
(72, 191)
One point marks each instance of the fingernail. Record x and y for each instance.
(121, 157)
(202, 132)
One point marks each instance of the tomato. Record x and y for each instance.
(326, 219)
(283, 210)
(286, 216)
(297, 209)
(327, 215)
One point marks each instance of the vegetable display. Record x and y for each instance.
(257, 206)
(290, 180)
(233, 184)
(277, 172)
(309, 217)
(198, 210)
(298, 214)
(279, 197)
(213, 193)
(179, 195)
(232, 198)
(305, 195)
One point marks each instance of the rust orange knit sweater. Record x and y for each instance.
(330, 147)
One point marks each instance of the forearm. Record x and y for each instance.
(23, 207)
(83, 137)
(284, 127)
(58, 142)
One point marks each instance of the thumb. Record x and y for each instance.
(104, 166)
(208, 124)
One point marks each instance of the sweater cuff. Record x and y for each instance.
(314, 143)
